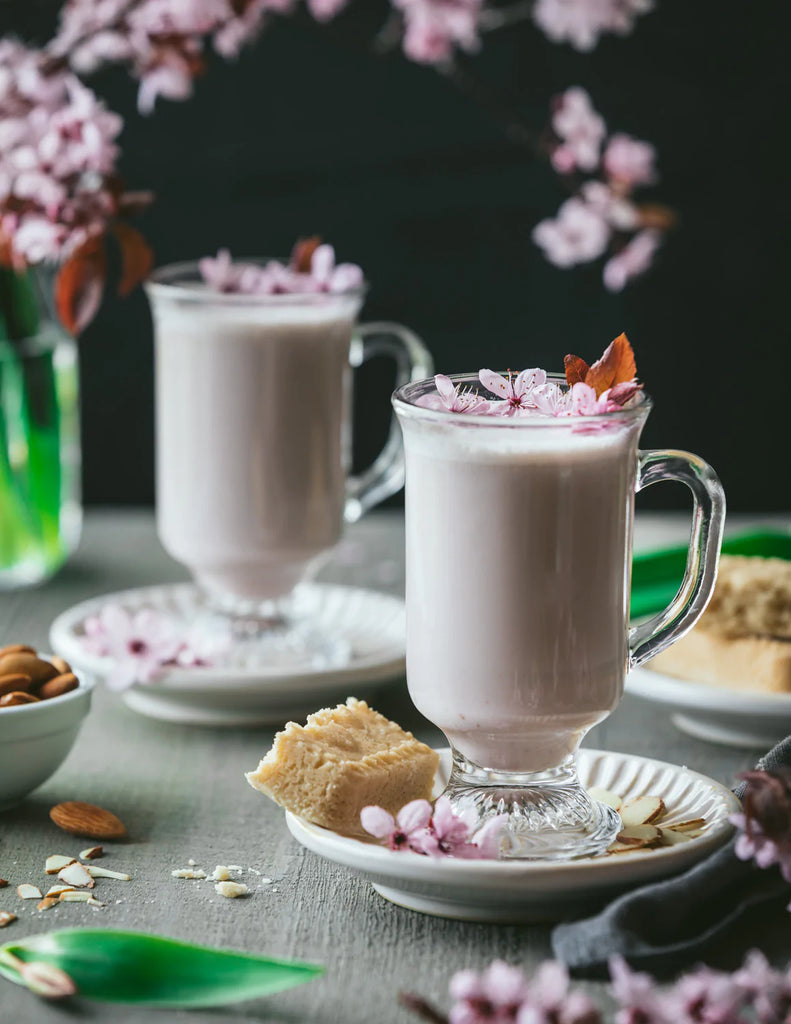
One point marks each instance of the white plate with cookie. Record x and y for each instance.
(516, 891)
(721, 714)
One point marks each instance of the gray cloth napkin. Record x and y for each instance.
(666, 926)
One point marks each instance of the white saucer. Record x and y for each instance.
(509, 891)
(735, 717)
(232, 693)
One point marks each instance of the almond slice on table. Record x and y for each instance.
(6, 918)
(95, 872)
(642, 810)
(26, 891)
(605, 796)
(93, 902)
(76, 876)
(47, 903)
(56, 890)
(57, 862)
(73, 896)
(92, 853)
(82, 819)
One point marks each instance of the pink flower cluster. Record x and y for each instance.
(57, 157)
(529, 393)
(163, 41)
(222, 274)
(765, 823)
(435, 832)
(142, 644)
(501, 994)
(602, 210)
(581, 23)
(434, 28)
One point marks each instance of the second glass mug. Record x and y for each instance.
(253, 443)
(519, 545)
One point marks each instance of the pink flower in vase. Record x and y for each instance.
(139, 645)
(404, 832)
(516, 393)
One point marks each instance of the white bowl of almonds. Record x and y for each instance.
(42, 706)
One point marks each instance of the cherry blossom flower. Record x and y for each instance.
(139, 644)
(581, 23)
(705, 996)
(453, 398)
(516, 393)
(404, 832)
(324, 10)
(577, 235)
(618, 211)
(765, 823)
(768, 991)
(634, 259)
(223, 274)
(629, 160)
(581, 131)
(494, 996)
(434, 27)
(637, 993)
(549, 1000)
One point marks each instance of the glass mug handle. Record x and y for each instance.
(385, 475)
(708, 518)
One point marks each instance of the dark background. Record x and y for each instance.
(310, 132)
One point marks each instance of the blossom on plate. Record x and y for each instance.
(516, 393)
(138, 644)
(580, 129)
(765, 823)
(629, 160)
(404, 832)
(433, 28)
(453, 398)
(634, 259)
(577, 235)
(452, 834)
(494, 996)
(581, 23)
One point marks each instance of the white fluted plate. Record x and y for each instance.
(513, 891)
(737, 718)
(235, 691)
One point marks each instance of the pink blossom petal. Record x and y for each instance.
(414, 815)
(377, 821)
(495, 383)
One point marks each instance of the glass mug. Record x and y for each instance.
(518, 561)
(253, 442)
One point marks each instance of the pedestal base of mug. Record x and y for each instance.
(550, 816)
(279, 634)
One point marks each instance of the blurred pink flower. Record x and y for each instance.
(634, 259)
(139, 645)
(620, 213)
(577, 235)
(581, 131)
(404, 832)
(494, 996)
(581, 23)
(629, 160)
(324, 10)
(638, 996)
(549, 1000)
(223, 274)
(434, 27)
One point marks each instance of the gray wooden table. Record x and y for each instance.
(181, 793)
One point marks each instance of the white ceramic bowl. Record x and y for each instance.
(35, 739)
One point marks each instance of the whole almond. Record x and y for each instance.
(16, 649)
(58, 686)
(14, 682)
(60, 664)
(81, 819)
(16, 698)
(29, 665)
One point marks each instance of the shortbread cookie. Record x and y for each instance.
(752, 598)
(343, 759)
(739, 663)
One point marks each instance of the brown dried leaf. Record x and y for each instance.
(616, 366)
(302, 253)
(576, 369)
(80, 283)
(137, 257)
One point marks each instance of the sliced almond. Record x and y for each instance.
(26, 891)
(638, 835)
(56, 890)
(641, 811)
(47, 903)
(95, 872)
(617, 847)
(188, 873)
(76, 875)
(604, 796)
(6, 918)
(93, 902)
(686, 826)
(231, 889)
(56, 862)
(73, 896)
(669, 837)
(92, 853)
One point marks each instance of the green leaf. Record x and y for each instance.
(136, 968)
